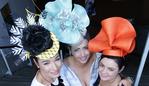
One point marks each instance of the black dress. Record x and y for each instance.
(97, 81)
(60, 82)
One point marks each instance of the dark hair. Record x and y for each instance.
(36, 39)
(66, 47)
(119, 60)
(87, 36)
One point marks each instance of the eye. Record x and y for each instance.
(75, 50)
(45, 63)
(57, 58)
(85, 47)
(101, 65)
(111, 69)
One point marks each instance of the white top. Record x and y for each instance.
(36, 83)
(71, 79)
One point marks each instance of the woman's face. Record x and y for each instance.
(50, 68)
(80, 51)
(108, 69)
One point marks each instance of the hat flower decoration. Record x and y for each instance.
(17, 33)
(16, 37)
(66, 22)
(116, 37)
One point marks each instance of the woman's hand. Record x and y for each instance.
(126, 82)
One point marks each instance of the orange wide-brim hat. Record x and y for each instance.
(116, 38)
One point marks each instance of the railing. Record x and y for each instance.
(143, 60)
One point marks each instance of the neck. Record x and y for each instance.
(43, 79)
(82, 65)
(113, 82)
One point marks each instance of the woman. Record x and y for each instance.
(80, 68)
(110, 68)
(115, 40)
(42, 46)
(68, 22)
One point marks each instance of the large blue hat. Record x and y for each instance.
(67, 23)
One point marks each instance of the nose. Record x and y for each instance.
(82, 53)
(54, 66)
(104, 70)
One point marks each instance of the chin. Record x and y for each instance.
(104, 78)
(55, 76)
(83, 62)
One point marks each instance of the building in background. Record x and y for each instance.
(10, 10)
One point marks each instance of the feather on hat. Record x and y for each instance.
(17, 35)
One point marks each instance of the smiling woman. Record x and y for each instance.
(80, 68)
(42, 46)
(110, 69)
(114, 43)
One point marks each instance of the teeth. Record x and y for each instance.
(83, 58)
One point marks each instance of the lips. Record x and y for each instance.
(83, 58)
(103, 76)
(55, 72)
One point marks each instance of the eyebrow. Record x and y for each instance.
(57, 56)
(45, 61)
(108, 66)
